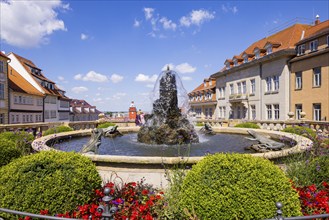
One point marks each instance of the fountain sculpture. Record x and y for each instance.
(167, 124)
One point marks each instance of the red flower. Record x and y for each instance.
(145, 192)
(44, 212)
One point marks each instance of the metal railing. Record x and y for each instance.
(108, 212)
(279, 215)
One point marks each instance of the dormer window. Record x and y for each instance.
(269, 50)
(205, 84)
(257, 53)
(235, 61)
(314, 45)
(245, 58)
(210, 83)
(228, 65)
(301, 49)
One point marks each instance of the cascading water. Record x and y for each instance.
(168, 123)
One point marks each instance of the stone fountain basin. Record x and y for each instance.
(302, 144)
(154, 169)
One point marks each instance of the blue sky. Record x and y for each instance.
(111, 52)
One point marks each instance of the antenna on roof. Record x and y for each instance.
(289, 23)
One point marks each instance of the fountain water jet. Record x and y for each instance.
(168, 123)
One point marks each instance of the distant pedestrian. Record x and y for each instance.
(138, 119)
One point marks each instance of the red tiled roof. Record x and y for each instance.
(20, 84)
(287, 38)
(4, 55)
(317, 29)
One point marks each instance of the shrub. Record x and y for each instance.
(58, 129)
(237, 186)
(247, 125)
(52, 180)
(105, 125)
(199, 124)
(8, 152)
(299, 130)
(21, 139)
(307, 172)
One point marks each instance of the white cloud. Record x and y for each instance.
(181, 68)
(98, 99)
(92, 76)
(227, 8)
(186, 78)
(115, 78)
(79, 89)
(197, 17)
(29, 23)
(118, 96)
(84, 36)
(137, 23)
(168, 24)
(145, 78)
(62, 79)
(148, 13)
(185, 68)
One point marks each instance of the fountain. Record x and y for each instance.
(167, 119)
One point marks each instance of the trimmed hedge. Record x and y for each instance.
(57, 181)
(237, 186)
(21, 139)
(8, 152)
(247, 125)
(58, 129)
(299, 130)
(105, 125)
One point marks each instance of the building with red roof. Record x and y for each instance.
(4, 100)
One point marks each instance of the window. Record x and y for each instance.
(23, 118)
(39, 102)
(222, 92)
(245, 58)
(231, 89)
(2, 77)
(316, 112)
(299, 109)
(317, 77)
(210, 83)
(244, 87)
(235, 61)
(253, 112)
(2, 91)
(239, 112)
(253, 86)
(301, 49)
(257, 54)
(268, 84)
(269, 112)
(47, 116)
(269, 50)
(276, 83)
(12, 118)
(298, 81)
(328, 41)
(228, 65)
(2, 118)
(53, 114)
(239, 88)
(17, 118)
(276, 112)
(2, 67)
(314, 45)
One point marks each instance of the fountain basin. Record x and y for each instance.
(302, 144)
(153, 169)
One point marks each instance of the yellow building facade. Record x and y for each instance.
(309, 78)
(4, 88)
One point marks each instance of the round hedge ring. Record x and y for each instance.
(237, 186)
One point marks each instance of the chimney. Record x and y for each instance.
(317, 21)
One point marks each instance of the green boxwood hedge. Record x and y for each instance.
(57, 181)
(237, 186)
(8, 151)
(58, 129)
(300, 130)
(21, 139)
(105, 125)
(247, 125)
